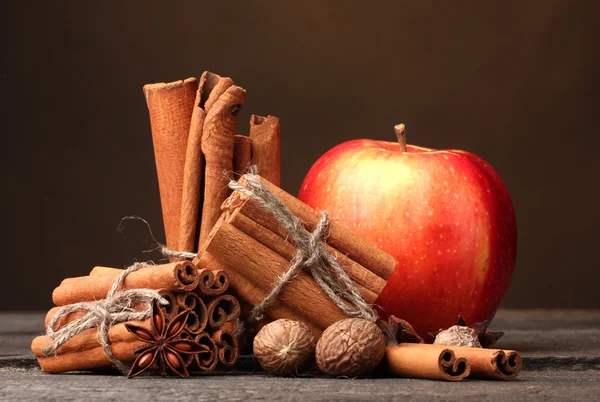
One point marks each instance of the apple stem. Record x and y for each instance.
(400, 130)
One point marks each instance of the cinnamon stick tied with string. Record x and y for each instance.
(176, 276)
(211, 87)
(252, 246)
(170, 107)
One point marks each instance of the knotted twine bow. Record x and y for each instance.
(311, 255)
(117, 307)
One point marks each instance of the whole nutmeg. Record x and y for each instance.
(350, 348)
(283, 346)
(458, 335)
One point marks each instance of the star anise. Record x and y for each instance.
(164, 344)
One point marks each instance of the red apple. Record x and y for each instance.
(444, 214)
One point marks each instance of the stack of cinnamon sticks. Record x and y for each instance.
(212, 321)
(197, 152)
(254, 249)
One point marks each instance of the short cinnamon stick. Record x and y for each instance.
(242, 154)
(198, 318)
(222, 309)
(228, 348)
(210, 88)
(492, 364)
(212, 282)
(265, 135)
(207, 361)
(218, 141)
(170, 106)
(179, 276)
(433, 362)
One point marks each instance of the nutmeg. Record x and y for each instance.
(350, 348)
(284, 346)
(458, 335)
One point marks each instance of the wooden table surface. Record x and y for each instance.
(560, 349)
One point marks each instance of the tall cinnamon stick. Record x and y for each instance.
(210, 88)
(218, 140)
(344, 241)
(180, 276)
(170, 107)
(264, 132)
(419, 360)
(242, 154)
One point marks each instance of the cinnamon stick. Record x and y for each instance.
(369, 284)
(228, 349)
(264, 132)
(210, 88)
(218, 141)
(492, 364)
(433, 362)
(170, 106)
(242, 154)
(345, 242)
(261, 265)
(180, 276)
(198, 318)
(222, 309)
(89, 358)
(207, 361)
(86, 340)
(212, 282)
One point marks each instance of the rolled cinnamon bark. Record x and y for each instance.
(242, 154)
(198, 317)
(86, 340)
(210, 88)
(345, 242)
(222, 309)
(213, 282)
(433, 362)
(175, 276)
(170, 106)
(218, 141)
(261, 265)
(228, 349)
(89, 358)
(493, 364)
(369, 284)
(249, 294)
(266, 154)
(206, 361)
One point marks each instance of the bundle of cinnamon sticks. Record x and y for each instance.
(197, 152)
(254, 249)
(212, 321)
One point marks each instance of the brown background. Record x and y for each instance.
(514, 82)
